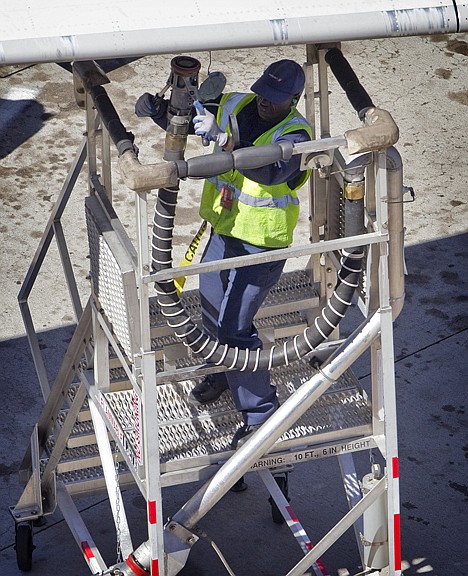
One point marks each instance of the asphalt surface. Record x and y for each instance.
(423, 82)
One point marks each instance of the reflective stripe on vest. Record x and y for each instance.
(254, 200)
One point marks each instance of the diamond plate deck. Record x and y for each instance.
(195, 436)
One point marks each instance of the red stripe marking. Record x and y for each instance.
(291, 514)
(395, 470)
(319, 563)
(87, 550)
(152, 511)
(154, 567)
(396, 543)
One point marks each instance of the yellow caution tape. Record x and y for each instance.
(190, 255)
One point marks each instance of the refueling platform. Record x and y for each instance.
(118, 414)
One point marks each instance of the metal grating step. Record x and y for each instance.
(192, 436)
(196, 437)
(86, 456)
(283, 315)
(89, 480)
(293, 293)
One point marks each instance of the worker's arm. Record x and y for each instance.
(152, 106)
(155, 107)
(282, 171)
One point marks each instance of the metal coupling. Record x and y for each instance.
(354, 190)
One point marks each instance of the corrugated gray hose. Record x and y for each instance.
(234, 358)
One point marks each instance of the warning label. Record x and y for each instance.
(314, 453)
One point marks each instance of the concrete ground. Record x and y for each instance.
(423, 82)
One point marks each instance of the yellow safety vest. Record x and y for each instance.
(261, 215)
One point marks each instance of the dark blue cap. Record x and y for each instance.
(280, 81)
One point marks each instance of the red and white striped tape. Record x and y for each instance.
(90, 558)
(396, 515)
(304, 541)
(152, 519)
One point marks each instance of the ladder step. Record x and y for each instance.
(188, 433)
(88, 480)
(294, 293)
(196, 436)
(79, 457)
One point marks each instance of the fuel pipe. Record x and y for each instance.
(234, 358)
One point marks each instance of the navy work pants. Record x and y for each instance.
(230, 299)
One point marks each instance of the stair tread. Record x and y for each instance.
(194, 436)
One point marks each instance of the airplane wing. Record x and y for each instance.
(66, 30)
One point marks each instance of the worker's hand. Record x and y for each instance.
(207, 127)
(147, 105)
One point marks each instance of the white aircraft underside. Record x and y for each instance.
(65, 30)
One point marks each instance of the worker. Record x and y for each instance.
(250, 211)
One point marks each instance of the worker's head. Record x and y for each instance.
(279, 88)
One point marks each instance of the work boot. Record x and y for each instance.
(206, 391)
(242, 434)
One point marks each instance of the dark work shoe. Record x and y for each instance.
(206, 391)
(240, 485)
(242, 434)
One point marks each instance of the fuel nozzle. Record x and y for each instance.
(184, 91)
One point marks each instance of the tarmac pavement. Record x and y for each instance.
(423, 82)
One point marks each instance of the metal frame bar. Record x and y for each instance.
(38, 260)
(115, 431)
(67, 267)
(288, 413)
(148, 398)
(339, 529)
(353, 494)
(279, 254)
(386, 376)
(78, 528)
(291, 519)
(113, 488)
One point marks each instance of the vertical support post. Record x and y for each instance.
(150, 422)
(91, 116)
(324, 105)
(384, 362)
(152, 464)
(316, 186)
(325, 188)
(311, 59)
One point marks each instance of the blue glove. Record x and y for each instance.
(147, 105)
(207, 127)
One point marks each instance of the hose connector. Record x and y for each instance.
(184, 85)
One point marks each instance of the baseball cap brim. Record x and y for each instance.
(270, 93)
